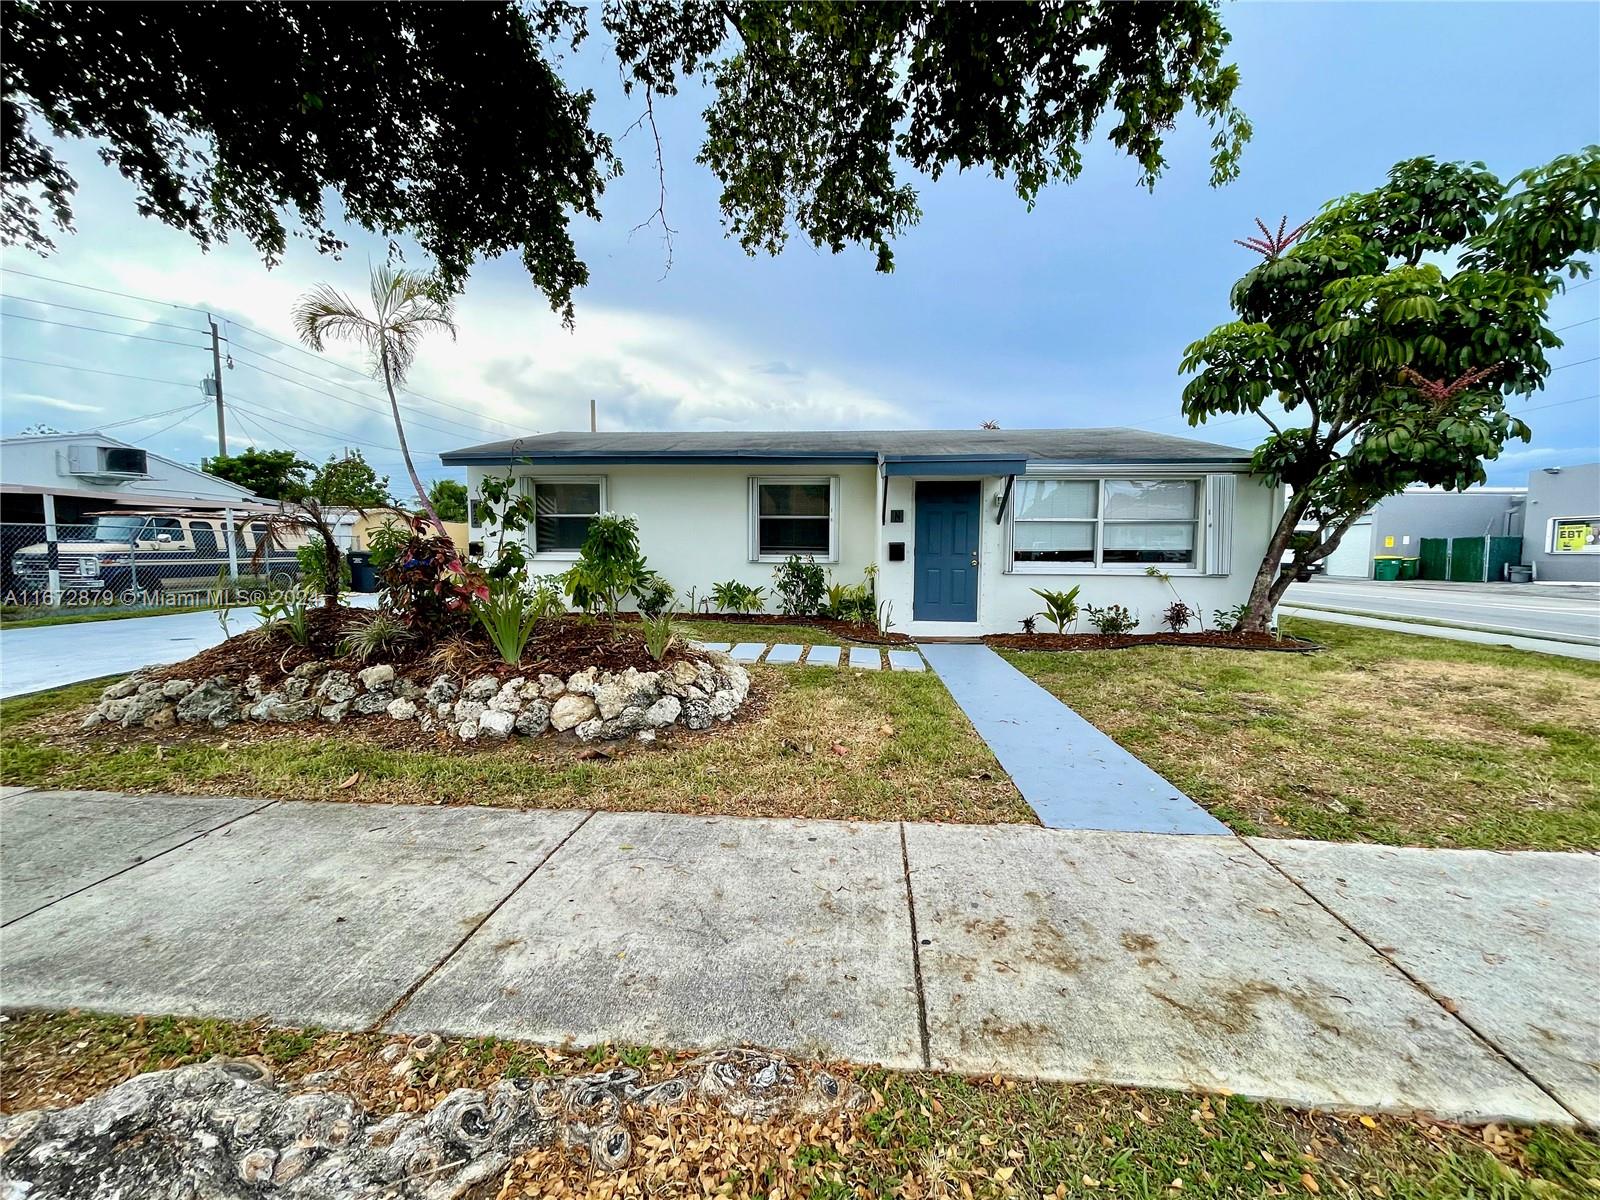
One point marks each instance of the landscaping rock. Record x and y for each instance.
(294, 688)
(93, 721)
(723, 704)
(126, 687)
(628, 689)
(215, 702)
(664, 711)
(496, 724)
(551, 686)
(309, 670)
(572, 710)
(336, 686)
(467, 731)
(589, 730)
(508, 699)
(142, 707)
(277, 707)
(164, 717)
(697, 714)
(373, 703)
(173, 688)
(334, 712)
(481, 688)
(534, 718)
(377, 678)
(255, 687)
(469, 710)
(441, 691)
(401, 709)
(584, 682)
(645, 735)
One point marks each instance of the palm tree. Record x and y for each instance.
(405, 306)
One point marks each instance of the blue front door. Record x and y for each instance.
(947, 552)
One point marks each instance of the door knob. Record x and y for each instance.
(974, 559)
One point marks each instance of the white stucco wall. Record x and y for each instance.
(694, 521)
(694, 527)
(1005, 597)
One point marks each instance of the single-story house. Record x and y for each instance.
(960, 524)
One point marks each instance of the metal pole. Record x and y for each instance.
(233, 546)
(52, 552)
(216, 372)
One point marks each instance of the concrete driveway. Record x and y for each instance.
(49, 656)
(1454, 983)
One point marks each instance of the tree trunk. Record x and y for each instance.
(332, 560)
(1271, 581)
(405, 450)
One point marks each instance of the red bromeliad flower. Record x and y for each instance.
(1270, 245)
(1439, 393)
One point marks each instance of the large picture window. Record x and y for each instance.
(794, 516)
(563, 509)
(1105, 522)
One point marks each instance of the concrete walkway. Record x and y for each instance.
(1073, 776)
(51, 656)
(1455, 983)
(1448, 632)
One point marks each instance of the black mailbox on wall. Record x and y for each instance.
(897, 552)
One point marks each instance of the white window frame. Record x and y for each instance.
(530, 487)
(754, 518)
(1098, 566)
(1556, 522)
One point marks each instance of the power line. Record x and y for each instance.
(1579, 363)
(138, 337)
(1575, 324)
(345, 399)
(39, 362)
(103, 291)
(343, 435)
(100, 312)
(139, 441)
(166, 412)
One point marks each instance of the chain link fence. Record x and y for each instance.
(126, 561)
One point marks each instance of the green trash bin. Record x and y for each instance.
(1408, 568)
(1386, 566)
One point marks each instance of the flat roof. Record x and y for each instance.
(1111, 446)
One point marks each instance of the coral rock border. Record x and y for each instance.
(593, 704)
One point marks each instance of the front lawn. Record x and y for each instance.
(1382, 737)
(922, 1135)
(814, 742)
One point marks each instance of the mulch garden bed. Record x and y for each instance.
(848, 630)
(1209, 640)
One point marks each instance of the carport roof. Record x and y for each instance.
(1108, 446)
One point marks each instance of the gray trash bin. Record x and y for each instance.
(362, 577)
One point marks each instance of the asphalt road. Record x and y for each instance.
(1567, 612)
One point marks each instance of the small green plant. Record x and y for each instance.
(313, 560)
(652, 594)
(853, 602)
(1112, 619)
(508, 615)
(799, 585)
(289, 609)
(659, 635)
(1178, 616)
(379, 633)
(732, 596)
(387, 542)
(1230, 618)
(609, 565)
(1060, 607)
(218, 595)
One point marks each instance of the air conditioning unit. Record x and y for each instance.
(94, 461)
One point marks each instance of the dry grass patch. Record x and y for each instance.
(1381, 737)
(923, 1136)
(812, 742)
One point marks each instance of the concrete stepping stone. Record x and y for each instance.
(906, 660)
(784, 653)
(864, 658)
(747, 652)
(723, 646)
(823, 656)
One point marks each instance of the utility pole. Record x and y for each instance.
(216, 375)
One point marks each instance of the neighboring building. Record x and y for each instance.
(1561, 540)
(82, 473)
(1398, 524)
(960, 524)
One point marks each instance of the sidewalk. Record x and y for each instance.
(1454, 982)
(1450, 633)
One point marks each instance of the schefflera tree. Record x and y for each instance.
(1383, 341)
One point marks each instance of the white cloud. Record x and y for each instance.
(46, 401)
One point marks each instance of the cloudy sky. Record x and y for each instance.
(1073, 314)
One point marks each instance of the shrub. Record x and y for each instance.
(1060, 607)
(1112, 619)
(313, 560)
(1030, 623)
(1178, 616)
(429, 588)
(653, 594)
(386, 543)
(659, 636)
(1229, 618)
(735, 597)
(289, 609)
(508, 615)
(609, 564)
(381, 632)
(800, 586)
